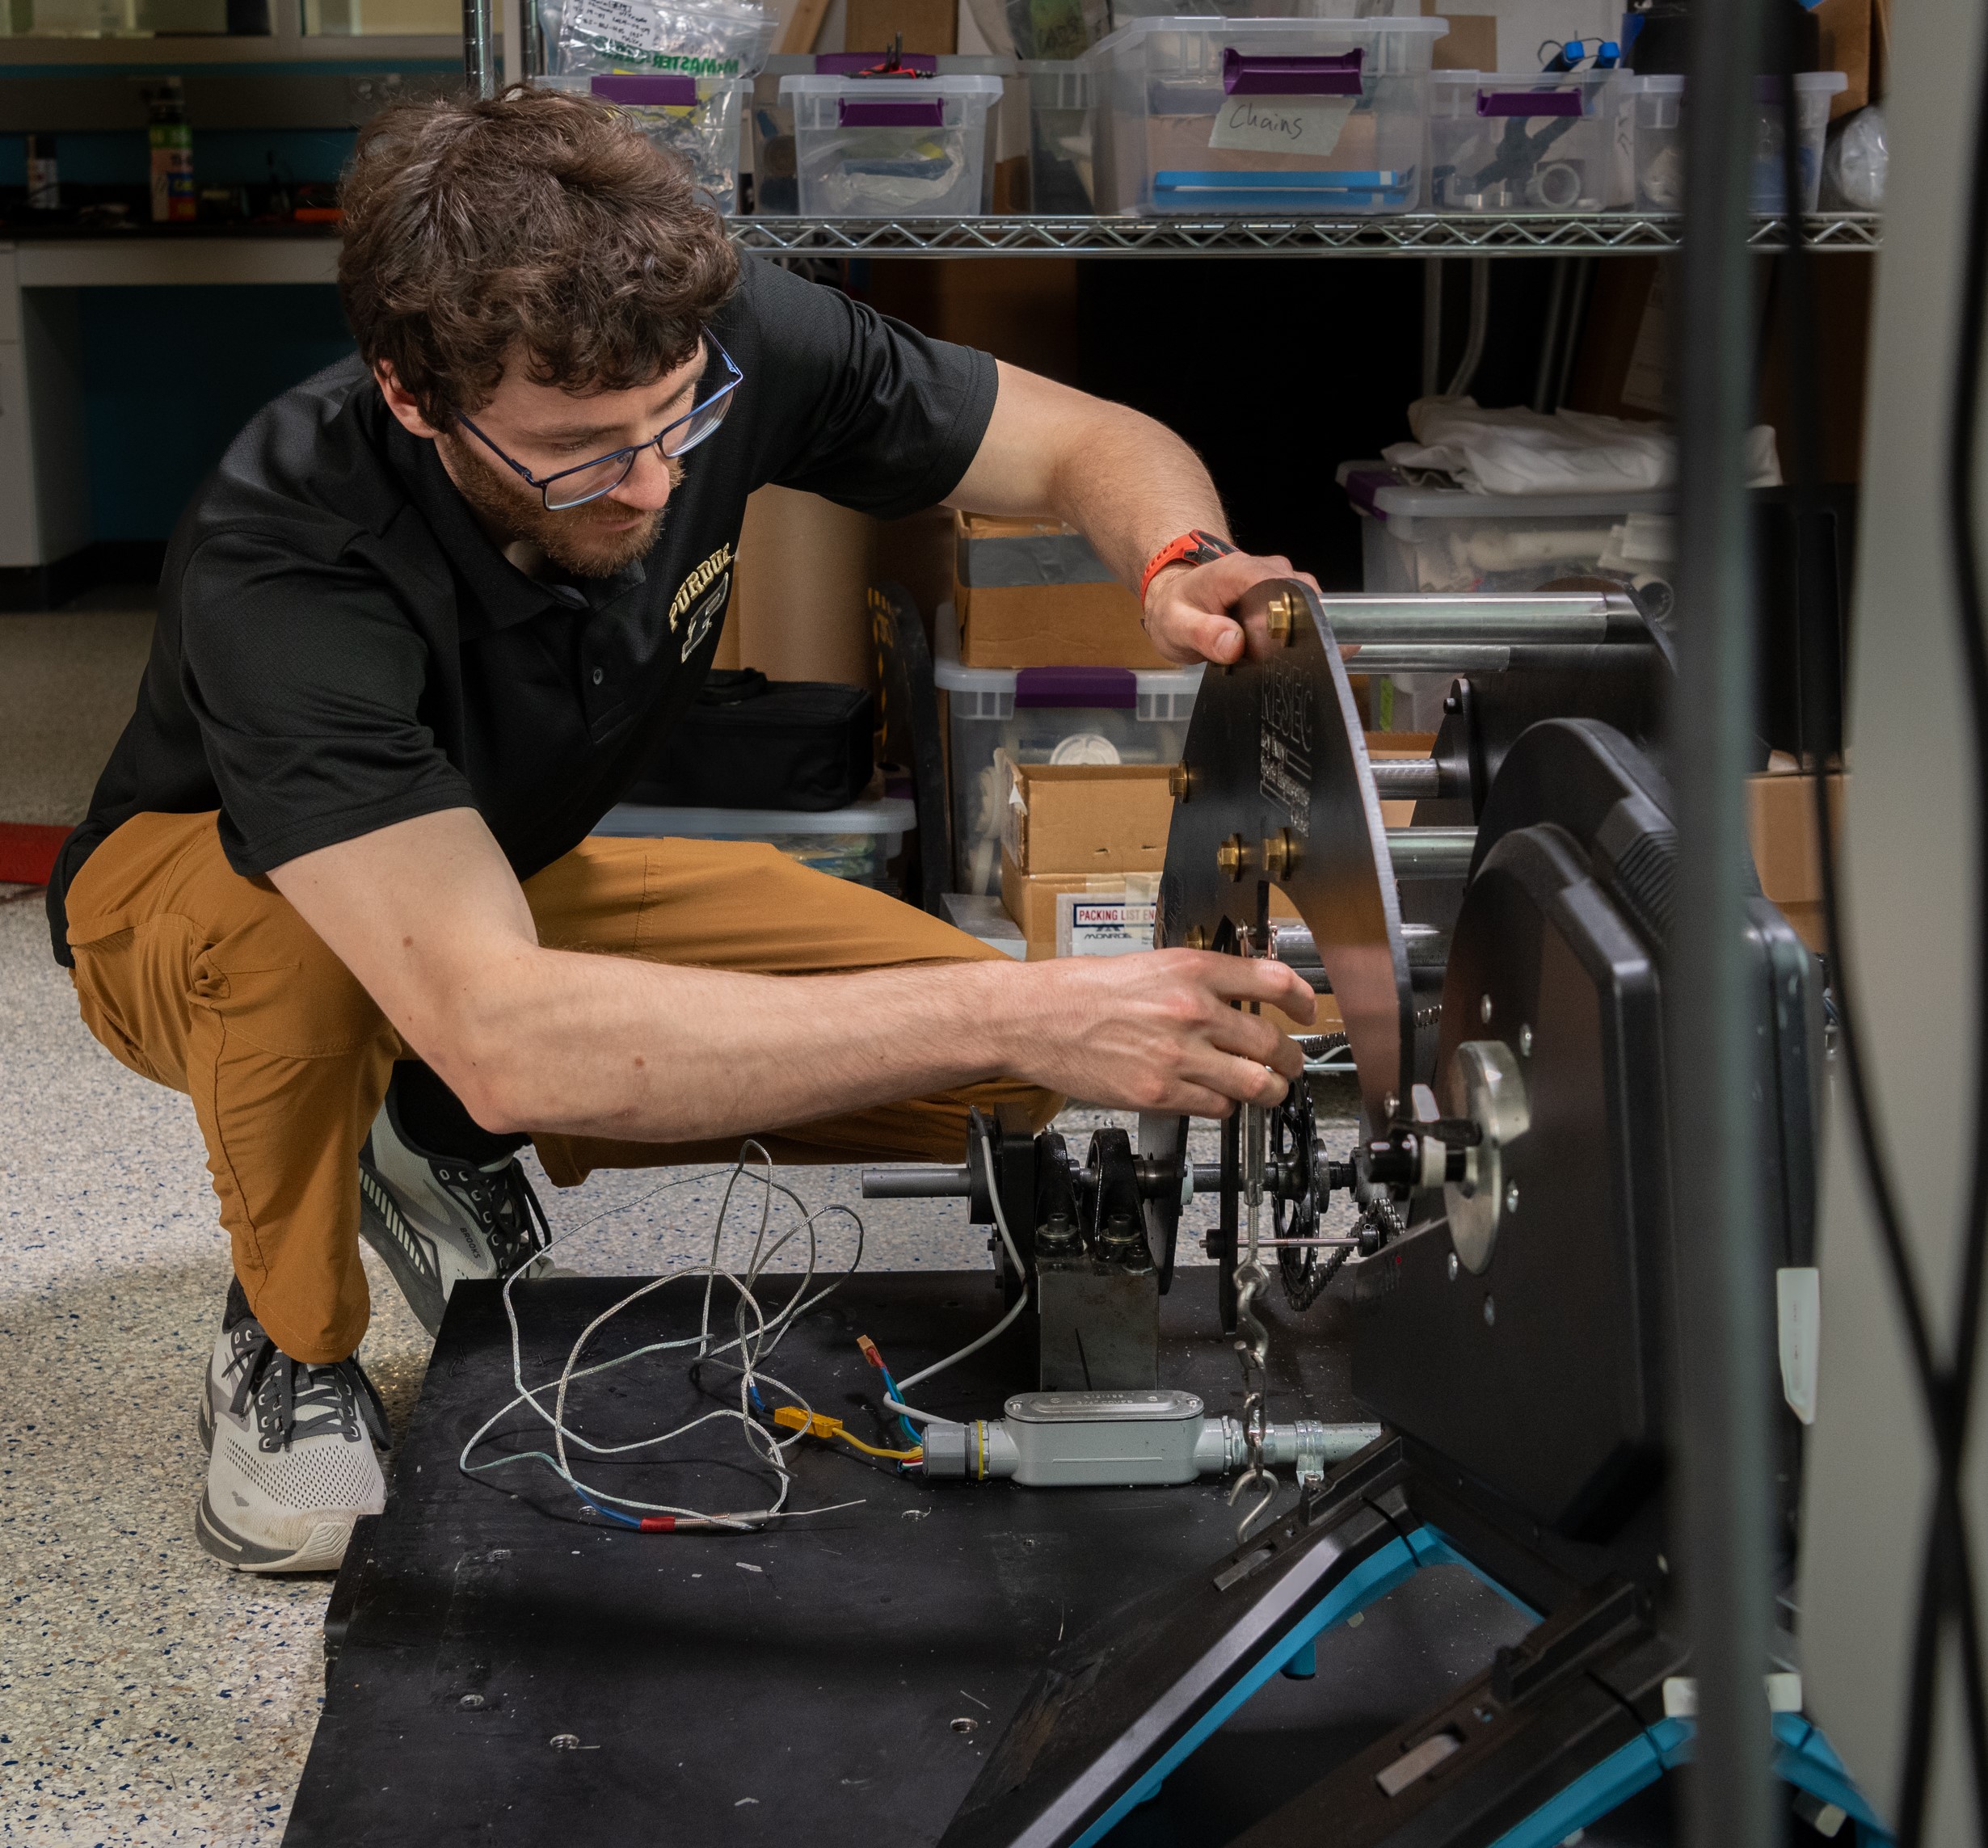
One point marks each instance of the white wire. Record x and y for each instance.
(994, 1333)
(754, 1343)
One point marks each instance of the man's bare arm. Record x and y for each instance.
(1131, 486)
(428, 916)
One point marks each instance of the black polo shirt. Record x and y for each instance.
(340, 646)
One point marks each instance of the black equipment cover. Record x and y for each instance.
(750, 743)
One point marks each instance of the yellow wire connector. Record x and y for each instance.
(815, 1425)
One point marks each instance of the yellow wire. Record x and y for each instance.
(817, 1424)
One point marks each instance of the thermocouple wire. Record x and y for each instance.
(756, 1338)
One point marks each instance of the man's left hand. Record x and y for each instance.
(1187, 607)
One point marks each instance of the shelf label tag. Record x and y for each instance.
(1280, 125)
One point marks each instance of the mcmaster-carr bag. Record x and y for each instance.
(750, 743)
(725, 39)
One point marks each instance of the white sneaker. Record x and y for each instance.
(291, 1463)
(438, 1219)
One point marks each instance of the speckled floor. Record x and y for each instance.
(65, 687)
(146, 1694)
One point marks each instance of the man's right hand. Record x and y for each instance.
(1156, 1031)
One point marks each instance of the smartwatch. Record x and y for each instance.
(1193, 548)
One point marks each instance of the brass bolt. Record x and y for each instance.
(1232, 857)
(1281, 613)
(1281, 854)
(1197, 937)
(1178, 782)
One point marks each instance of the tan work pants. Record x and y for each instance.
(199, 978)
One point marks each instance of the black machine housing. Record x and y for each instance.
(1525, 1403)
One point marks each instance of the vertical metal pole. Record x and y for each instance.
(1432, 326)
(514, 66)
(1549, 336)
(1570, 334)
(479, 66)
(1480, 326)
(1723, 1449)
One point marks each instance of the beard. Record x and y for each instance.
(577, 539)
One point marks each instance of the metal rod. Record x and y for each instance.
(1511, 621)
(1406, 779)
(1431, 852)
(479, 67)
(1293, 945)
(1723, 1449)
(918, 1183)
(1441, 657)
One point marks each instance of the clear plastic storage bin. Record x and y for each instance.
(1285, 116)
(857, 842)
(776, 179)
(1043, 715)
(1427, 540)
(1659, 141)
(697, 117)
(891, 147)
(1060, 167)
(1523, 144)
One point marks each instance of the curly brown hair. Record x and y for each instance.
(532, 224)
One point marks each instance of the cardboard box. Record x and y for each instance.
(1031, 593)
(1085, 819)
(1843, 30)
(1781, 822)
(1036, 902)
(1089, 819)
(926, 25)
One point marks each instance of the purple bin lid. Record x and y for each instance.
(890, 112)
(1362, 484)
(1529, 102)
(658, 92)
(1330, 76)
(1117, 687)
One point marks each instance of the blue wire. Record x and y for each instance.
(613, 1514)
(910, 1429)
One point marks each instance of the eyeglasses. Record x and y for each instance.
(588, 480)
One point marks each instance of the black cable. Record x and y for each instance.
(1947, 1590)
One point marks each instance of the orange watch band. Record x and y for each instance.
(1192, 548)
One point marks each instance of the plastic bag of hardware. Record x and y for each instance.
(695, 118)
(1853, 166)
(1052, 28)
(725, 39)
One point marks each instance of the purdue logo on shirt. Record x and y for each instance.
(707, 588)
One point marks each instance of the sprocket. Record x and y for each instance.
(1299, 1193)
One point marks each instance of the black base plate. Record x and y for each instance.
(814, 1699)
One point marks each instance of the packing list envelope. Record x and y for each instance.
(1306, 125)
